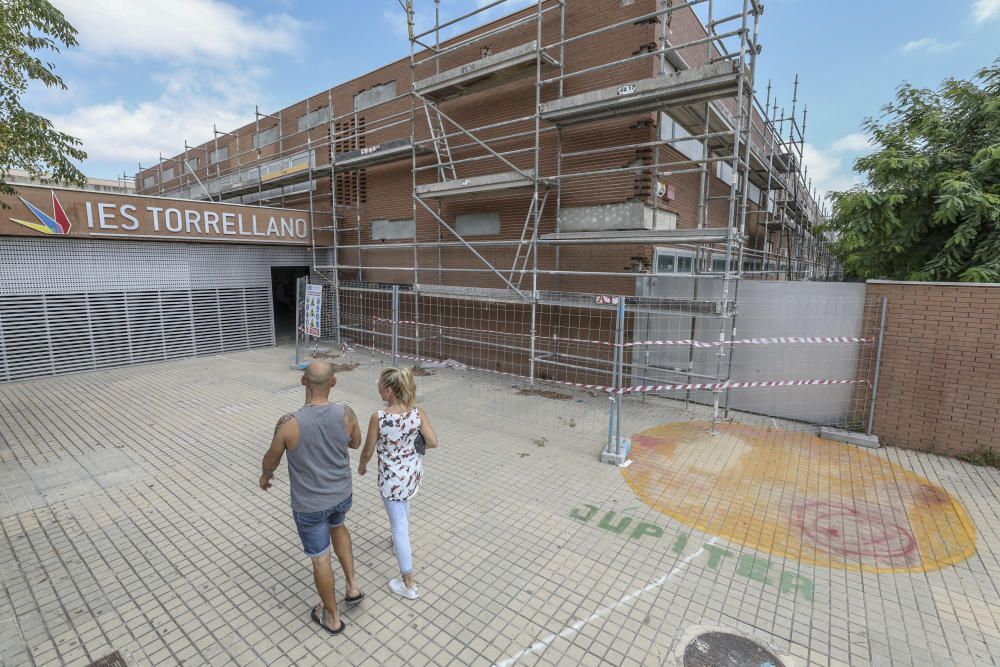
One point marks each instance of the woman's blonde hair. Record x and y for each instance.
(400, 382)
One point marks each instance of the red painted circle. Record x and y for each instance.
(846, 531)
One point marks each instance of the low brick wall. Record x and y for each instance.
(939, 385)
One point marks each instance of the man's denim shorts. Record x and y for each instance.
(314, 527)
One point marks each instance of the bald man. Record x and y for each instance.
(317, 438)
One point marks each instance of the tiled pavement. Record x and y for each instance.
(131, 521)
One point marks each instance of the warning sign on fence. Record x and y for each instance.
(607, 299)
(314, 307)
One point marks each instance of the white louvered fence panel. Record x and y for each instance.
(68, 333)
(70, 305)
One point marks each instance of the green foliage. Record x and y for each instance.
(931, 207)
(983, 457)
(27, 140)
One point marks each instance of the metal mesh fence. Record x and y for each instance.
(608, 366)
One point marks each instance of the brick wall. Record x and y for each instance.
(939, 384)
(387, 188)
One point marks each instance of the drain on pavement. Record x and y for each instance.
(113, 660)
(711, 649)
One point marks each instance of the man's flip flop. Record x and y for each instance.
(320, 619)
(355, 600)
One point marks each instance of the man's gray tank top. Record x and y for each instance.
(319, 467)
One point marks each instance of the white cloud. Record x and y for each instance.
(828, 172)
(854, 143)
(831, 168)
(205, 61)
(184, 30)
(929, 45)
(130, 131)
(985, 10)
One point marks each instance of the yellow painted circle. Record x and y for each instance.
(799, 497)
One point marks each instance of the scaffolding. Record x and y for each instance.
(590, 130)
(440, 76)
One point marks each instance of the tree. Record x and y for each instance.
(29, 141)
(930, 209)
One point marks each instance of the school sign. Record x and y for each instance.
(39, 211)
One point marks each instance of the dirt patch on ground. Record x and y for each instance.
(420, 372)
(343, 368)
(545, 393)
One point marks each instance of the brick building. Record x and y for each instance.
(564, 150)
(573, 127)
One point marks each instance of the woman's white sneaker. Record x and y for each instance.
(399, 588)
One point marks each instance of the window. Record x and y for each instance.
(669, 260)
(148, 182)
(384, 230)
(314, 118)
(724, 172)
(665, 263)
(265, 137)
(191, 164)
(671, 129)
(477, 224)
(219, 154)
(375, 95)
(718, 265)
(168, 173)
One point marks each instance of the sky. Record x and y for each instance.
(149, 75)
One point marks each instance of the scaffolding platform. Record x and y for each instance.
(722, 127)
(288, 176)
(665, 236)
(478, 185)
(721, 124)
(489, 72)
(387, 151)
(759, 169)
(688, 307)
(690, 86)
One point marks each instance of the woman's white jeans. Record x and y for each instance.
(399, 522)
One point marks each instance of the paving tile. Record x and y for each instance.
(132, 522)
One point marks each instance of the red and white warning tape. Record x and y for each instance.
(779, 340)
(638, 389)
(718, 386)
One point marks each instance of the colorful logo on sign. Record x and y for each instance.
(58, 223)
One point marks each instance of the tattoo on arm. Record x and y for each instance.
(285, 418)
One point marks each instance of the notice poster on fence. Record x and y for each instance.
(314, 306)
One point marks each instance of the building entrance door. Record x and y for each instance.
(283, 297)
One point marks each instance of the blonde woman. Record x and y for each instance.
(393, 434)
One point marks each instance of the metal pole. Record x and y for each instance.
(611, 413)
(535, 207)
(614, 414)
(878, 363)
(298, 319)
(395, 325)
(334, 251)
(621, 380)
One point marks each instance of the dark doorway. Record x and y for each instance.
(283, 297)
